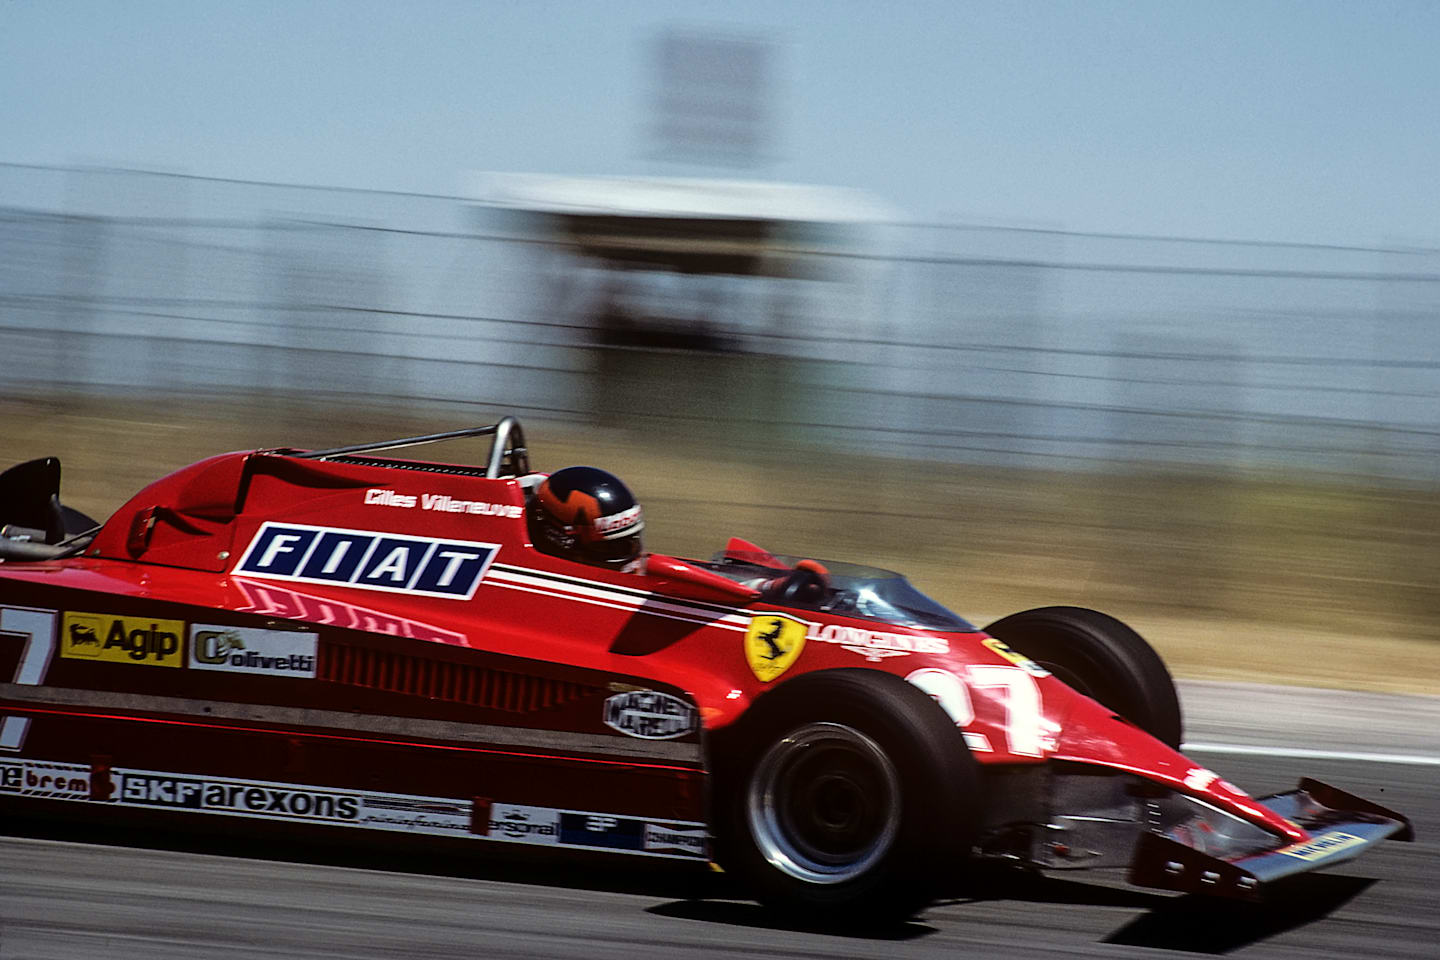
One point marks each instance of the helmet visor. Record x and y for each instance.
(615, 552)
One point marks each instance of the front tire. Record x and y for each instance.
(1102, 658)
(847, 796)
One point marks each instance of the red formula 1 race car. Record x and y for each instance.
(347, 643)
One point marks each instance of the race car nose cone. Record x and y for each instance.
(1092, 734)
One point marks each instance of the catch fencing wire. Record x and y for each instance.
(1054, 367)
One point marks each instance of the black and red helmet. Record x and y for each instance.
(586, 514)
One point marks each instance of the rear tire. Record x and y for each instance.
(846, 796)
(1102, 658)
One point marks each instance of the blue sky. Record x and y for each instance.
(1307, 121)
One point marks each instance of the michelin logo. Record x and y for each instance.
(366, 560)
(279, 653)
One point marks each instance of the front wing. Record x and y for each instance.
(1190, 858)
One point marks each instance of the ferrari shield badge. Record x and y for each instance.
(772, 643)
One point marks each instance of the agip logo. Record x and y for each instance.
(142, 640)
(367, 560)
(773, 643)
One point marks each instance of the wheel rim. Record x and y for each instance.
(823, 803)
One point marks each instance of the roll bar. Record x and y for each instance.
(508, 455)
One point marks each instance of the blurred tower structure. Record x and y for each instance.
(698, 289)
(713, 100)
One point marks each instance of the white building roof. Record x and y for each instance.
(681, 198)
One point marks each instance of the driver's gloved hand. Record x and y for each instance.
(807, 582)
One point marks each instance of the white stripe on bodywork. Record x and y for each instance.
(597, 594)
(700, 606)
(613, 606)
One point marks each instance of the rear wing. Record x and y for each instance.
(34, 525)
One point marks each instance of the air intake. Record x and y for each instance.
(445, 680)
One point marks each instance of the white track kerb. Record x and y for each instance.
(1252, 750)
(1254, 719)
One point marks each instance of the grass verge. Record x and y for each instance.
(1262, 578)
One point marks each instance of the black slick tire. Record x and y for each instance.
(1102, 658)
(846, 797)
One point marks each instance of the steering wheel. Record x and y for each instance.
(807, 583)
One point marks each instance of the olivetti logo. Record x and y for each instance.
(215, 646)
(279, 653)
(367, 560)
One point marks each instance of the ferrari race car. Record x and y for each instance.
(349, 644)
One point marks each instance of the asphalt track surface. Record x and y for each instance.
(60, 898)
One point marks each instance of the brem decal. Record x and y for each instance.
(113, 639)
(367, 560)
(772, 643)
(649, 715)
(38, 778)
(279, 653)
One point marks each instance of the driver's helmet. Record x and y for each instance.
(586, 514)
